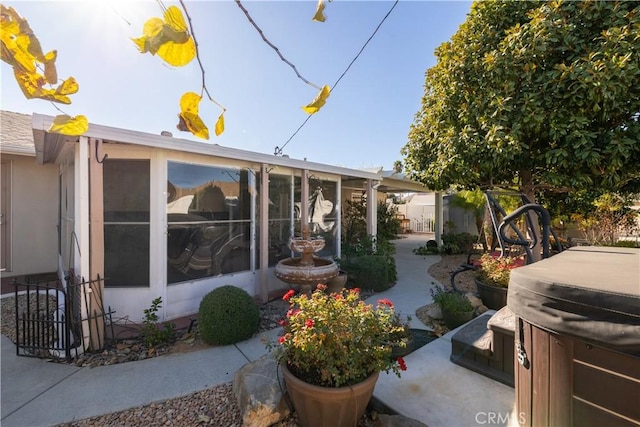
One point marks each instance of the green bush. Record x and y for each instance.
(151, 332)
(453, 302)
(429, 248)
(372, 272)
(457, 243)
(228, 315)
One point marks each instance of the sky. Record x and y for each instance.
(364, 123)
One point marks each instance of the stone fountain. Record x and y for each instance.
(308, 270)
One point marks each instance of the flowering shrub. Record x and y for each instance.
(336, 340)
(495, 271)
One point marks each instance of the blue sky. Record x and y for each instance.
(364, 123)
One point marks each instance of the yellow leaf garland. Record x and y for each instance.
(169, 39)
(68, 125)
(21, 49)
(318, 101)
(319, 16)
(189, 119)
(220, 125)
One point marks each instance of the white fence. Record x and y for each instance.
(424, 224)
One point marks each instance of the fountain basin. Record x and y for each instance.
(292, 271)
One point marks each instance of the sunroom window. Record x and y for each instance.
(209, 221)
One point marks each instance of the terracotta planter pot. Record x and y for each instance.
(318, 406)
(337, 283)
(493, 297)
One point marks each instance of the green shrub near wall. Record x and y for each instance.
(372, 272)
(228, 315)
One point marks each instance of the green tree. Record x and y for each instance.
(537, 94)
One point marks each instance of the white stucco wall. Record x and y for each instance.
(33, 216)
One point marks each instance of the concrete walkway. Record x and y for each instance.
(433, 390)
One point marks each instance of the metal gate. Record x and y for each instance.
(49, 323)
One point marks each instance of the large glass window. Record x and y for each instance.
(323, 219)
(279, 217)
(209, 221)
(126, 185)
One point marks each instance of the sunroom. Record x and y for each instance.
(157, 216)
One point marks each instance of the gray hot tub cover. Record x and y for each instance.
(590, 293)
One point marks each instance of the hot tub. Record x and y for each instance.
(578, 338)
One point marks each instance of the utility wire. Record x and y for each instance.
(278, 150)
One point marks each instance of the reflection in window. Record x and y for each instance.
(126, 185)
(209, 219)
(279, 218)
(322, 212)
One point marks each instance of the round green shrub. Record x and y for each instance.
(373, 272)
(227, 315)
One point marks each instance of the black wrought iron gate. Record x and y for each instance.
(49, 320)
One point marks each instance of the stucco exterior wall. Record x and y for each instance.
(33, 216)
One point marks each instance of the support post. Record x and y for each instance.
(96, 251)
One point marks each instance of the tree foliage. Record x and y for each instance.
(537, 94)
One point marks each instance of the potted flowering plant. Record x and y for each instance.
(456, 307)
(400, 337)
(492, 279)
(337, 344)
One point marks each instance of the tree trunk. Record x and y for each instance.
(527, 188)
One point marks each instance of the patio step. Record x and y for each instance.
(485, 345)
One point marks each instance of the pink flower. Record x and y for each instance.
(288, 295)
(386, 302)
(321, 286)
(309, 323)
(403, 366)
(355, 290)
(292, 312)
(283, 322)
(338, 297)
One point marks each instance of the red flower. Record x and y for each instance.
(403, 366)
(282, 339)
(283, 322)
(355, 290)
(321, 286)
(292, 312)
(309, 323)
(288, 295)
(338, 296)
(386, 302)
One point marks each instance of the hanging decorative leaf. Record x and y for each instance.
(169, 39)
(68, 125)
(21, 49)
(318, 101)
(220, 124)
(319, 16)
(190, 121)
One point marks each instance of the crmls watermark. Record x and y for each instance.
(498, 418)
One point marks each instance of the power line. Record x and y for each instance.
(278, 150)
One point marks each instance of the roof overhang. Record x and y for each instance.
(49, 145)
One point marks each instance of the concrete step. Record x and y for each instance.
(486, 346)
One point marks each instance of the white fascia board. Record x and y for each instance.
(106, 133)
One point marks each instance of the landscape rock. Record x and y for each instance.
(397, 421)
(434, 312)
(481, 309)
(474, 300)
(259, 393)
